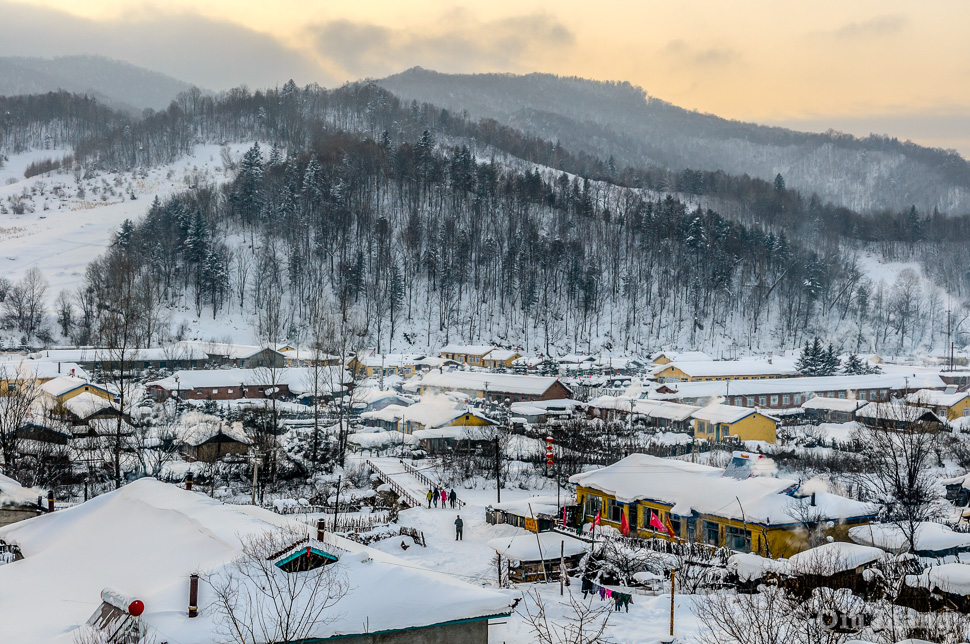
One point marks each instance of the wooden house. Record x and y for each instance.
(897, 417)
(210, 441)
(832, 410)
(538, 557)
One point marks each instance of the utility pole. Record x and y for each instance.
(255, 477)
(562, 567)
(498, 475)
(336, 505)
(673, 574)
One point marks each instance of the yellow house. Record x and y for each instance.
(688, 502)
(948, 406)
(391, 364)
(666, 357)
(431, 413)
(704, 371)
(34, 372)
(500, 358)
(716, 422)
(473, 355)
(60, 390)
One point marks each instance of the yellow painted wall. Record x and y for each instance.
(764, 540)
(662, 360)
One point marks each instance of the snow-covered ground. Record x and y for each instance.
(62, 228)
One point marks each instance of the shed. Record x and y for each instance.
(536, 557)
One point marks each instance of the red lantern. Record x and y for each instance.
(136, 608)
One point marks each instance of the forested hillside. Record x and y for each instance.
(620, 120)
(413, 227)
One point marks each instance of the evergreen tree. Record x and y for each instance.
(779, 183)
(813, 360)
(856, 366)
(830, 362)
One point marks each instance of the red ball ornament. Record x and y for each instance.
(136, 608)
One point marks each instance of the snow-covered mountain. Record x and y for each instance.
(115, 83)
(620, 120)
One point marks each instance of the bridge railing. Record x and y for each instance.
(424, 478)
(406, 496)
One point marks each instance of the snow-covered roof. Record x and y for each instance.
(501, 354)
(535, 547)
(930, 537)
(223, 349)
(535, 505)
(196, 428)
(692, 487)
(455, 432)
(769, 386)
(39, 370)
(298, 380)
(467, 349)
(749, 566)
(14, 494)
(718, 413)
(60, 386)
(937, 398)
(645, 407)
(894, 412)
(835, 557)
(480, 381)
(96, 354)
(86, 403)
(834, 404)
(951, 578)
(390, 359)
(724, 368)
(146, 538)
(683, 356)
(431, 412)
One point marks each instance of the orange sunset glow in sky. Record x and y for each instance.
(899, 68)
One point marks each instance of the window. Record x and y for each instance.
(841, 394)
(215, 391)
(966, 411)
(147, 364)
(736, 539)
(750, 401)
(774, 400)
(614, 510)
(798, 399)
(229, 391)
(12, 386)
(593, 505)
(712, 534)
(762, 400)
(786, 399)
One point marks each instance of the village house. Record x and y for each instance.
(87, 406)
(538, 557)
(897, 416)
(500, 359)
(747, 369)
(160, 536)
(717, 422)
(432, 412)
(497, 387)
(681, 501)
(948, 405)
(58, 391)
(376, 365)
(787, 393)
(258, 383)
(832, 410)
(470, 354)
(654, 413)
(210, 440)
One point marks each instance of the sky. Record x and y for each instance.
(888, 67)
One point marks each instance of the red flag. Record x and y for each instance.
(656, 524)
(596, 521)
(564, 516)
(670, 527)
(624, 523)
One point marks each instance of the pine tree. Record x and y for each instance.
(856, 366)
(812, 359)
(779, 183)
(830, 362)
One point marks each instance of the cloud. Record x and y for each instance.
(458, 42)
(877, 26)
(680, 53)
(212, 54)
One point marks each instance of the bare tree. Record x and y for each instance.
(584, 623)
(24, 304)
(259, 602)
(897, 472)
(16, 410)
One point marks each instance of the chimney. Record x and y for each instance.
(50, 501)
(321, 528)
(194, 595)
(813, 499)
(189, 479)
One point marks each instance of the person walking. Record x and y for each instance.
(458, 526)
(444, 497)
(430, 496)
(452, 498)
(587, 586)
(436, 495)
